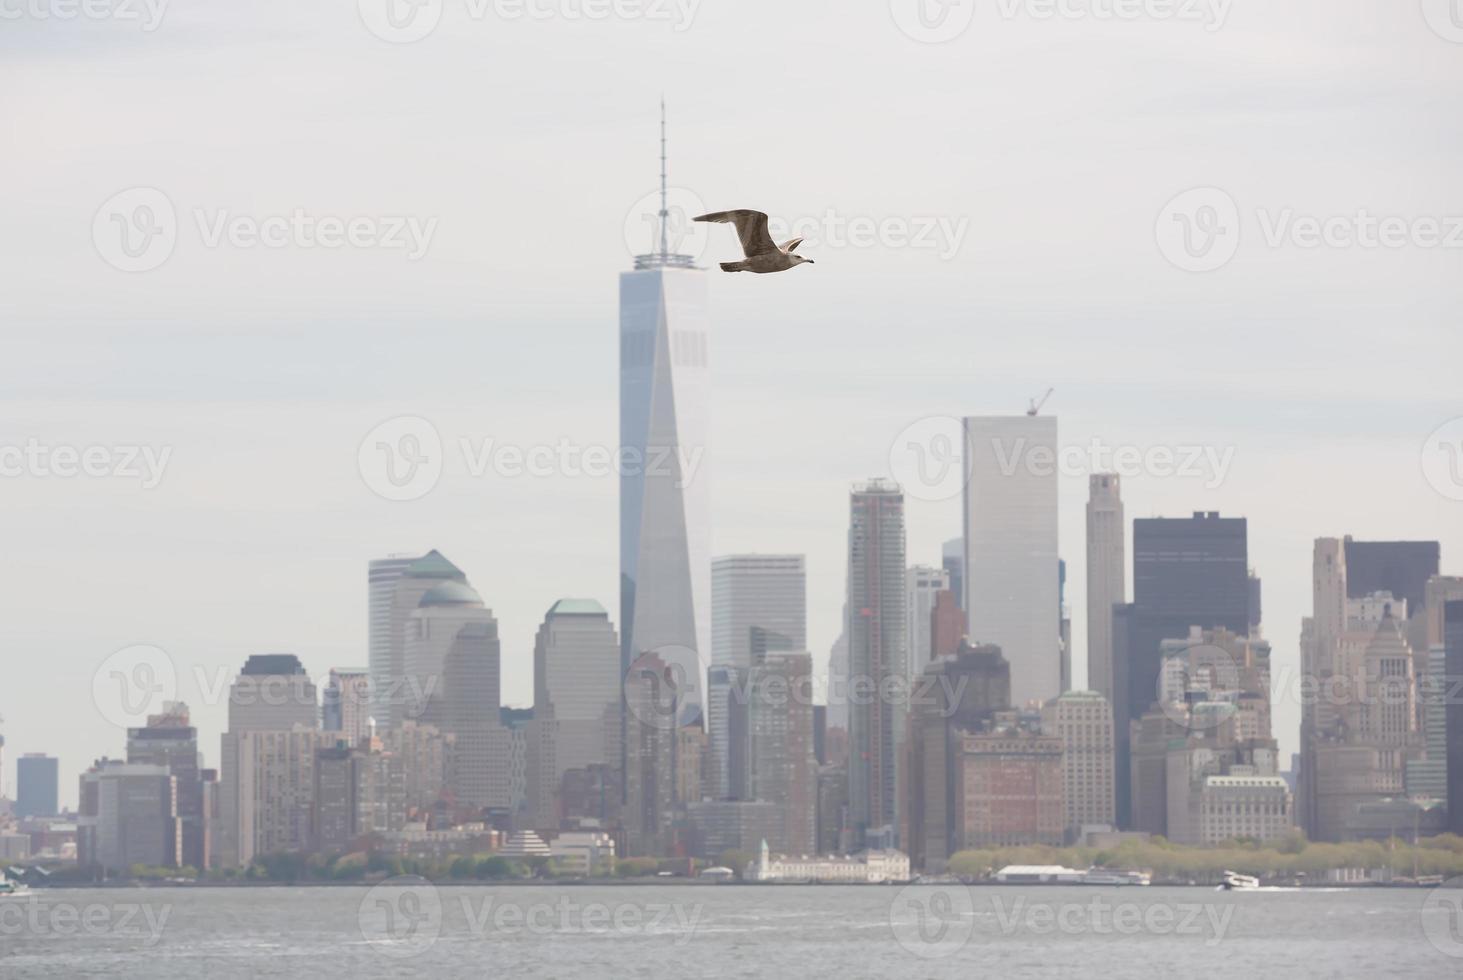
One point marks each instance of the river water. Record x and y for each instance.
(412, 929)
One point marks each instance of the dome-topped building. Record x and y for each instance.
(450, 594)
(451, 671)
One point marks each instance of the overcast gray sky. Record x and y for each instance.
(1054, 146)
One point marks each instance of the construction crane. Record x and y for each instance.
(1037, 403)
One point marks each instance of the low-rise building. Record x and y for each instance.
(524, 844)
(584, 852)
(14, 847)
(1255, 807)
(870, 867)
(416, 841)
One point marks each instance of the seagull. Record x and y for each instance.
(762, 254)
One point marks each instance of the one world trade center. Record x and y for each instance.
(665, 534)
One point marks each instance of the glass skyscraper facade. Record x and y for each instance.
(751, 592)
(665, 539)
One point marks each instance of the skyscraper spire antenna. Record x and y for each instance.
(665, 213)
(662, 257)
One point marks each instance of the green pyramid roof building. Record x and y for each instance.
(433, 565)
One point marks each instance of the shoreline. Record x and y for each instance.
(694, 883)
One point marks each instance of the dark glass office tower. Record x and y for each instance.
(1452, 686)
(1399, 567)
(38, 781)
(1187, 572)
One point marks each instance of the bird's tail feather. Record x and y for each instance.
(733, 266)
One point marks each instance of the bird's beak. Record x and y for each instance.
(810, 262)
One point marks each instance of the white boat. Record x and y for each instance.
(1234, 882)
(12, 889)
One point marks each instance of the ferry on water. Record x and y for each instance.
(1234, 882)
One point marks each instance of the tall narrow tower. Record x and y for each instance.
(1012, 572)
(1106, 576)
(665, 541)
(876, 657)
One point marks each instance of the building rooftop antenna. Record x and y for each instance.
(663, 257)
(665, 212)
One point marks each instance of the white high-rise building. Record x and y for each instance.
(665, 535)
(921, 585)
(1012, 594)
(275, 791)
(271, 696)
(1106, 577)
(576, 701)
(381, 577)
(757, 592)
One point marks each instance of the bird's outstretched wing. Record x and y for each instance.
(791, 245)
(751, 229)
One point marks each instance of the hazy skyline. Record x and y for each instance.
(1054, 144)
